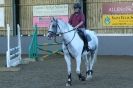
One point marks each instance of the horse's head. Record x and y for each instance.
(53, 29)
(58, 27)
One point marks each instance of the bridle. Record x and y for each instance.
(55, 32)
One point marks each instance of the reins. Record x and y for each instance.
(66, 44)
(63, 34)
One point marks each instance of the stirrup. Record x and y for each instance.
(88, 49)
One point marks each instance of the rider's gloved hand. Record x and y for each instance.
(75, 27)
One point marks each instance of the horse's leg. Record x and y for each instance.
(92, 60)
(94, 56)
(89, 70)
(85, 58)
(68, 62)
(78, 62)
(87, 63)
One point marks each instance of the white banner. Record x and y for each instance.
(2, 17)
(50, 10)
(2, 2)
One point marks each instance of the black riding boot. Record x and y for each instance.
(86, 43)
(84, 37)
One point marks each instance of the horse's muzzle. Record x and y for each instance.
(50, 35)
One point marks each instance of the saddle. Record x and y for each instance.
(85, 39)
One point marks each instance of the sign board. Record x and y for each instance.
(2, 2)
(45, 20)
(50, 10)
(117, 14)
(118, 20)
(2, 17)
(118, 8)
(43, 13)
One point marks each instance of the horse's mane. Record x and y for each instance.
(65, 24)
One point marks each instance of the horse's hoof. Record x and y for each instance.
(68, 83)
(88, 77)
(89, 74)
(82, 78)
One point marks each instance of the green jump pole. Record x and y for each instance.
(35, 46)
(33, 51)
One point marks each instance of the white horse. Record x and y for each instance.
(73, 48)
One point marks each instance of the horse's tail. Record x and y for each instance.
(94, 57)
(95, 51)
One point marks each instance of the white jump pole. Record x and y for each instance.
(13, 59)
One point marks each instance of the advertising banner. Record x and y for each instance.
(45, 21)
(118, 8)
(118, 20)
(117, 14)
(2, 2)
(2, 17)
(43, 13)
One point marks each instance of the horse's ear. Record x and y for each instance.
(54, 19)
(51, 18)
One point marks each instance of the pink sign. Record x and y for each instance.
(45, 21)
(117, 8)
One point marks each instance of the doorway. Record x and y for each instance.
(84, 11)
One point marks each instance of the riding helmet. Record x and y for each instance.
(77, 5)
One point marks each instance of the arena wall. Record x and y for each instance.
(108, 45)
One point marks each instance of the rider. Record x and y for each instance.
(77, 20)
